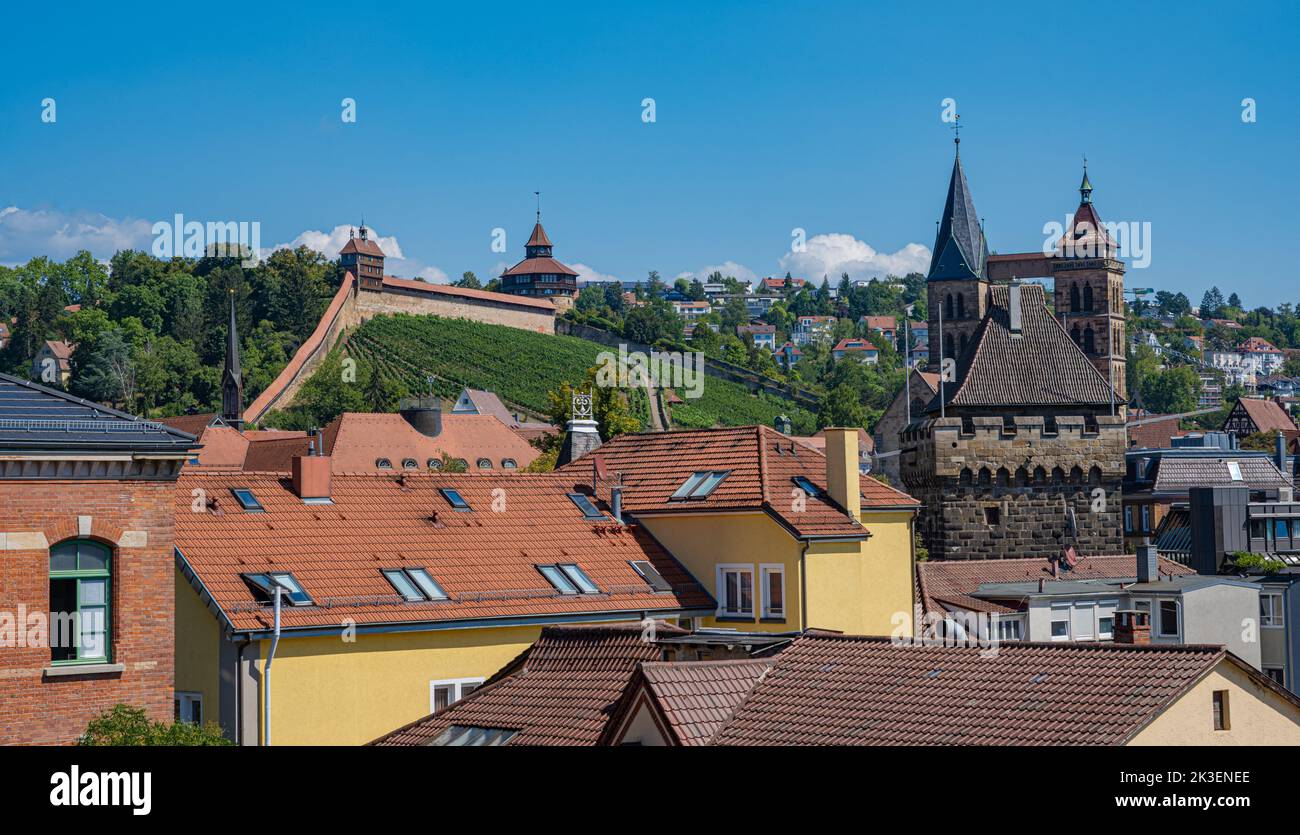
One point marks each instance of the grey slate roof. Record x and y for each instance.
(38, 419)
(1178, 474)
(960, 251)
(1040, 367)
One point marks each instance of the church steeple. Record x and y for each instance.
(1085, 187)
(232, 377)
(960, 251)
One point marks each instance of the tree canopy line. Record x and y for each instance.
(150, 333)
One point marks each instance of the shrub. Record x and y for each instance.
(126, 725)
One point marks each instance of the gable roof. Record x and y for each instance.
(944, 584)
(694, 698)
(562, 691)
(35, 418)
(1040, 367)
(1180, 473)
(1267, 415)
(848, 690)
(486, 561)
(362, 244)
(761, 466)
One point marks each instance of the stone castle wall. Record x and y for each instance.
(996, 490)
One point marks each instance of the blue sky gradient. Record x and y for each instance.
(770, 116)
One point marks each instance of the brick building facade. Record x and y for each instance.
(86, 510)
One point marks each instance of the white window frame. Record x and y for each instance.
(1276, 616)
(1068, 609)
(1157, 615)
(1101, 608)
(764, 570)
(721, 577)
(187, 698)
(1017, 621)
(457, 686)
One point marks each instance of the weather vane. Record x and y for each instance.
(955, 127)
(539, 205)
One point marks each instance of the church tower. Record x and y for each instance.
(1089, 295)
(958, 288)
(232, 377)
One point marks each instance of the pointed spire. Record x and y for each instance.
(1085, 187)
(232, 377)
(960, 251)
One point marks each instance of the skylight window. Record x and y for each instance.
(414, 584)
(700, 484)
(264, 586)
(651, 575)
(807, 486)
(475, 737)
(247, 500)
(568, 579)
(1234, 471)
(584, 503)
(454, 498)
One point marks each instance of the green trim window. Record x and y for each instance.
(80, 602)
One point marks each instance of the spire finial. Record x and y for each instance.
(1085, 187)
(539, 205)
(955, 127)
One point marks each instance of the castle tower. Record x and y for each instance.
(232, 377)
(539, 274)
(957, 292)
(1089, 296)
(364, 259)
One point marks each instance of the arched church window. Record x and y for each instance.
(947, 306)
(1089, 341)
(1074, 297)
(961, 306)
(1087, 297)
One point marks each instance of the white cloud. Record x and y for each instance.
(27, 233)
(395, 261)
(586, 274)
(731, 268)
(835, 253)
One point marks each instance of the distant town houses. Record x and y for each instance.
(808, 329)
(1252, 359)
(763, 336)
(858, 349)
(885, 326)
(691, 310)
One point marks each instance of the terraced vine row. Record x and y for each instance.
(521, 367)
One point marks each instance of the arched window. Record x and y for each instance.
(1074, 297)
(1087, 297)
(80, 602)
(508, 464)
(484, 463)
(434, 463)
(947, 306)
(1076, 335)
(1094, 476)
(409, 464)
(964, 478)
(1089, 341)
(383, 464)
(965, 340)
(961, 306)
(1076, 475)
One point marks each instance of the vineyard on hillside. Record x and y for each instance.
(521, 367)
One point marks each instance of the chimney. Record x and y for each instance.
(311, 475)
(1013, 309)
(616, 502)
(1281, 452)
(1132, 627)
(424, 413)
(1148, 563)
(842, 469)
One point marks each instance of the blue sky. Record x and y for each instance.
(769, 116)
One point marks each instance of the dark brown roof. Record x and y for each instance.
(845, 690)
(466, 292)
(952, 582)
(696, 697)
(1041, 367)
(365, 246)
(539, 236)
(563, 692)
(189, 424)
(1154, 435)
(1179, 474)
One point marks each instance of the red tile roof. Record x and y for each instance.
(485, 560)
(954, 581)
(538, 237)
(189, 424)
(1267, 415)
(761, 464)
(467, 293)
(363, 245)
(562, 691)
(1154, 435)
(854, 344)
(357, 440)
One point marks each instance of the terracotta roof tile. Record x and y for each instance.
(468, 293)
(356, 440)
(1267, 415)
(697, 697)
(485, 560)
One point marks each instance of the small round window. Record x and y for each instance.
(484, 463)
(383, 463)
(508, 463)
(435, 463)
(409, 464)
